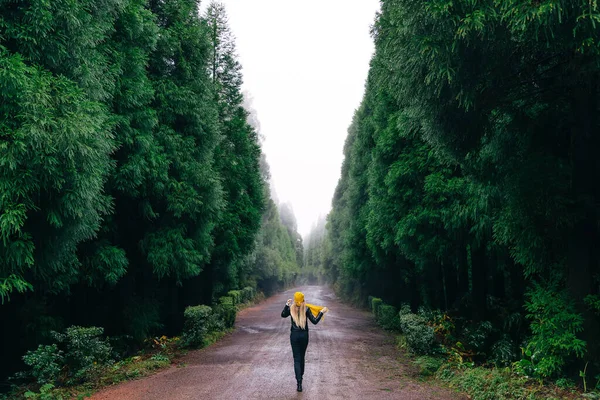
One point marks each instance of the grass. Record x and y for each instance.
(490, 383)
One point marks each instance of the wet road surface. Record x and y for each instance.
(348, 357)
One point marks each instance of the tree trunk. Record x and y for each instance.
(463, 269)
(479, 282)
(450, 285)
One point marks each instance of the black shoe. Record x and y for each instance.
(299, 387)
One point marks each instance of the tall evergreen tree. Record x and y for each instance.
(237, 156)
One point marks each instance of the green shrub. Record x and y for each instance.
(249, 293)
(554, 324)
(388, 317)
(226, 300)
(85, 351)
(428, 365)
(142, 319)
(370, 302)
(236, 295)
(197, 325)
(226, 312)
(419, 336)
(485, 383)
(376, 303)
(503, 352)
(46, 363)
(476, 335)
(46, 393)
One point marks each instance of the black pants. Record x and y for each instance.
(299, 341)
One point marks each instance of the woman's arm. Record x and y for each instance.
(286, 311)
(312, 318)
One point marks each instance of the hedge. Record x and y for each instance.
(199, 322)
(227, 311)
(248, 293)
(236, 295)
(375, 304)
(388, 317)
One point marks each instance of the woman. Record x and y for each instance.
(300, 312)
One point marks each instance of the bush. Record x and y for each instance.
(503, 352)
(77, 354)
(388, 317)
(236, 295)
(370, 302)
(428, 365)
(554, 324)
(142, 319)
(46, 363)
(85, 350)
(226, 312)
(197, 325)
(419, 336)
(249, 293)
(476, 335)
(376, 303)
(226, 300)
(46, 393)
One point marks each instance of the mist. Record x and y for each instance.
(304, 70)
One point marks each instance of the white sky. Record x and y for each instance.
(305, 64)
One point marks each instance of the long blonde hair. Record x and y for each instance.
(298, 314)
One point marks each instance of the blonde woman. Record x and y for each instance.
(300, 311)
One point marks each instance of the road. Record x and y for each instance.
(348, 357)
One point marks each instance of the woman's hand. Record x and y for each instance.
(289, 302)
(325, 310)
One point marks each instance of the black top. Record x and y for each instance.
(309, 316)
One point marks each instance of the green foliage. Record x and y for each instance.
(54, 163)
(226, 300)
(236, 296)
(143, 318)
(388, 317)
(131, 175)
(248, 293)
(46, 393)
(160, 357)
(593, 302)
(77, 356)
(485, 384)
(418, 334)
(428, 365)
(226, 311)
(375, 304)
(10, 284)
(468, 175)
(204, 324)
(85, 351)
(503, 352)
(554, 327)
(240, 219)
(370, 302)
(477, 335)
(46, 363)
(198, 324)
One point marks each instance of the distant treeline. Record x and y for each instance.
(132, 183)
(471, 179)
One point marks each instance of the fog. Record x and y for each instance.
(305, 65)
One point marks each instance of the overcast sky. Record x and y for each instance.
(305, 64)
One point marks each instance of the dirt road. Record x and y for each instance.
(348, 357)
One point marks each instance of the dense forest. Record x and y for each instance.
(132, 182)
(470, 180)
